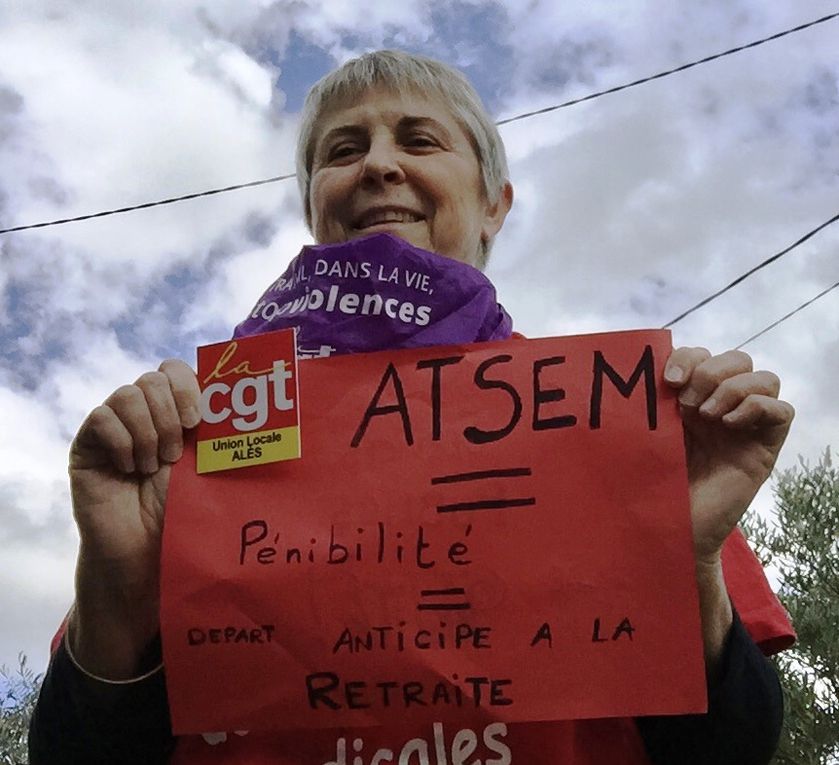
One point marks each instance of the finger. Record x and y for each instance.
(185, 390)
(682, 362)
(733, 390)
(757, 411)
(130, 406)
(707, 376)
(103, 433)
(164, 414)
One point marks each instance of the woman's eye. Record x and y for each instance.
(421, 141)
(344, 150)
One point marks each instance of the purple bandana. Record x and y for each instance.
(376, 293)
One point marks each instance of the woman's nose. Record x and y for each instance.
(382, 165)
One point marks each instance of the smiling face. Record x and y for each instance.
(400, 163)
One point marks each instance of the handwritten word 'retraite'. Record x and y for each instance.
(331, 692)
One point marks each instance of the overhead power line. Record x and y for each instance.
(148, 204)
(746, 275)
(681, 68)
(791, 313)
(589, 97)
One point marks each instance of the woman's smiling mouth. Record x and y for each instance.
(384, 216)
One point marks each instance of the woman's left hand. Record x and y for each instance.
(734, 427)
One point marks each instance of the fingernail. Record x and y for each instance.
(149, 465)
(709, 407)
(674, 374)
(191, 417)
(690, 398)
(172, 453)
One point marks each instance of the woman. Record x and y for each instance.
(398, 144)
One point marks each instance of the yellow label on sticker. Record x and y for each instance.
(243, 450)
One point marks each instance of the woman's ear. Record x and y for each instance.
(497, 212)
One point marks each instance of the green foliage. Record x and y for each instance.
(18, 693)
(801, 544)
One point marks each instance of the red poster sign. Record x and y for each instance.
(498, 531)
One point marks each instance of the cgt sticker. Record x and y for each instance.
(249, 402)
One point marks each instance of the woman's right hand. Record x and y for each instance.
(120, 464)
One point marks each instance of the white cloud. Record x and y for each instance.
(328, 24)
(33, 456)
(242, 278)
(628, 209)
(130, 114)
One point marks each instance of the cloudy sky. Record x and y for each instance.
(628, 209)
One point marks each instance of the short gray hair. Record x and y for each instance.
(400, 71)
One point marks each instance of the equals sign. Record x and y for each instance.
(458, 594)
(485, 504)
